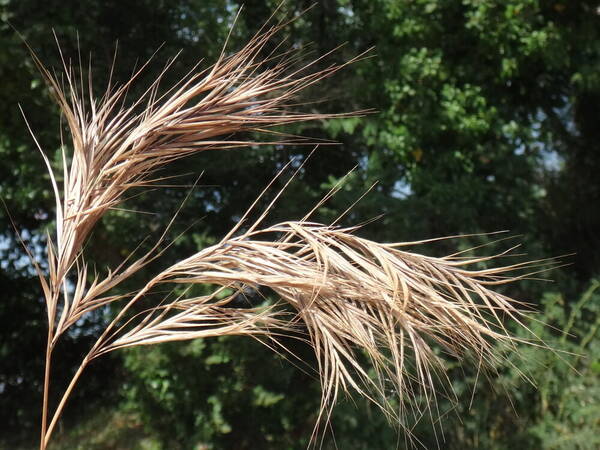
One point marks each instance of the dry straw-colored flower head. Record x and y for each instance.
(351, 296)
(116, 146)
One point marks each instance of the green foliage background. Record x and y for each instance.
(487, 119)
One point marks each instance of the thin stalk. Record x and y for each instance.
(62, 403)
(46, 389)
(46, 434)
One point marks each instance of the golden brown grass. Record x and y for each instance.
(351, 296)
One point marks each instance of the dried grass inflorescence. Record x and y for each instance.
(351, 296)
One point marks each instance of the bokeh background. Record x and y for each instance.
(487, 118)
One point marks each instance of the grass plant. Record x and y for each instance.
(353, 299)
